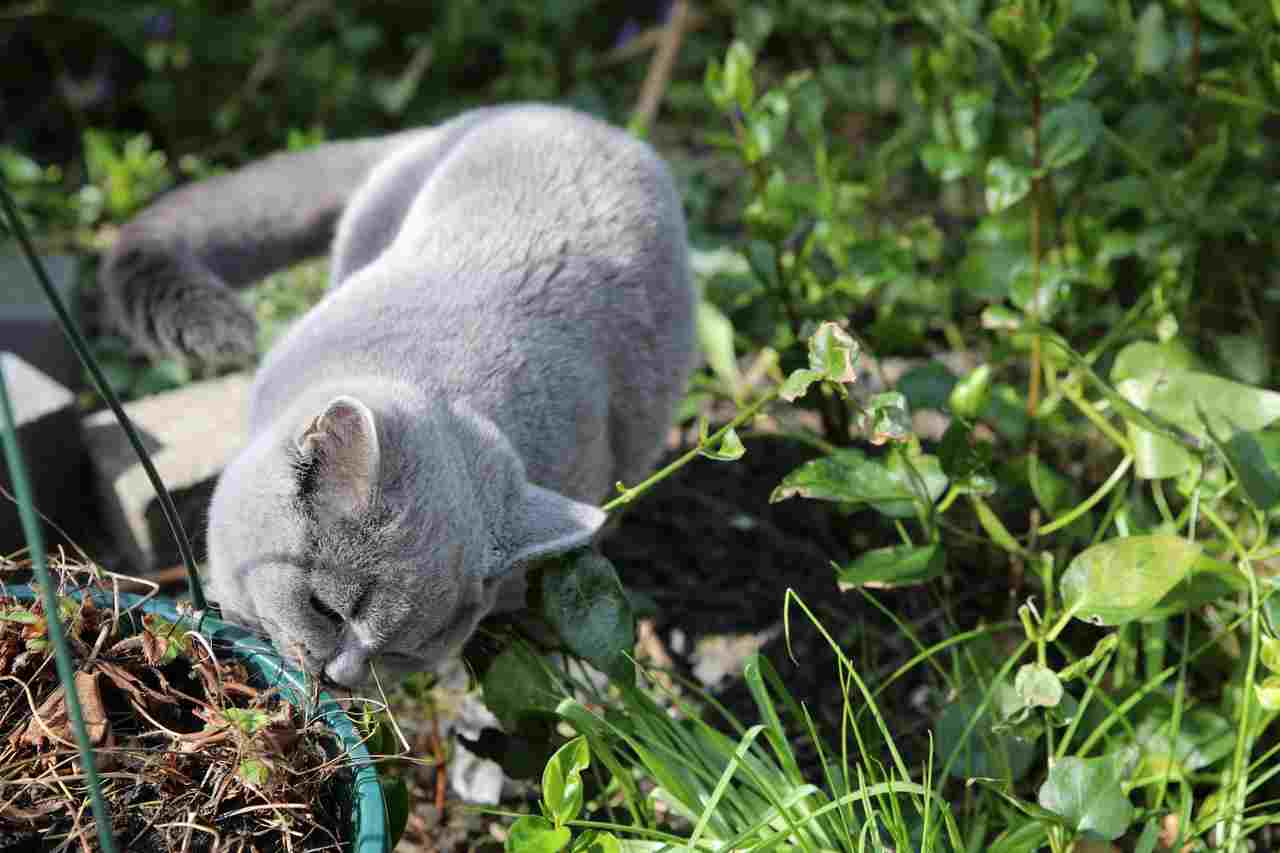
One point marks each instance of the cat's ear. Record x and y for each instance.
(339, 455)
(546, 523)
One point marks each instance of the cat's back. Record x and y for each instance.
(531, 181)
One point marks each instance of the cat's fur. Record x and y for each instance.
(507, 330)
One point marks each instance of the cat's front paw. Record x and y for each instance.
(171, 305)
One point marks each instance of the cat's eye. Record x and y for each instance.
(324, 610)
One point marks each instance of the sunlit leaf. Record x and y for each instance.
(562, 781)
(1268, 693)
(1006, 184)
(1123, 579)
(532, 834)
(848, 475)
(715, 337)
(970, 394)
(730, 448)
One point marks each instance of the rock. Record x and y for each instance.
(191, 434)
(49, 440)
(28, 325)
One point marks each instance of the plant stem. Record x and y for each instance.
(630, 494)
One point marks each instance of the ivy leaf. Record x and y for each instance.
(583, 601)
(1007, 184)
(1087, 793)
(1123, 579)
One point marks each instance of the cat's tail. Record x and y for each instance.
(169, 277)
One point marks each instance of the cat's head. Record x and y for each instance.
(357, 534)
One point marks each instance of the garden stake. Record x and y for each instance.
(104, 389)
(61, 652)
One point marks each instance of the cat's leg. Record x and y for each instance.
(169, 277)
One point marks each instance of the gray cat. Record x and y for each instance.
(508, 327)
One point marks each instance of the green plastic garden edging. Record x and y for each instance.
(368, 811)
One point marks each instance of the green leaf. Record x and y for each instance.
(1245, 357)
(1267, 692)
(886, 418)
(1038, 686)
(847, 475)
(1066, 77)
(947, 163)
(1088, 794)
(562, 781)
(1153, 44)
(833, 353)
(395, 798)
(966, 463)
(1271, 654)
(1053, 491)
(1205, 737)
(927, 386)
(730, 448)
(597, 841)
(1143, 357)
(253, 771)
(583, 601)
(715, 337)
(517, 684)
(250, 721)
(993, 526)
(984, 752)
(738, 86)
(534, 834)
(1254, 458)
(1177, 395)
(1069, 132)
(971, 393)
(1123, 579)
(1007, 184)
(895, 566)
(797, 384)
(767, 123)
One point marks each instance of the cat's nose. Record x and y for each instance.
(350, 667)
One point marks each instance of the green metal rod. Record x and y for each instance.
(61, 652)
(104, 388)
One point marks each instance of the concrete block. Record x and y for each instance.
(191, 434)
(49, 439)
(28, 325)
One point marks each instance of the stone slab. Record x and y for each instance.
(50, 443)
(29, 327)
(191, 434)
